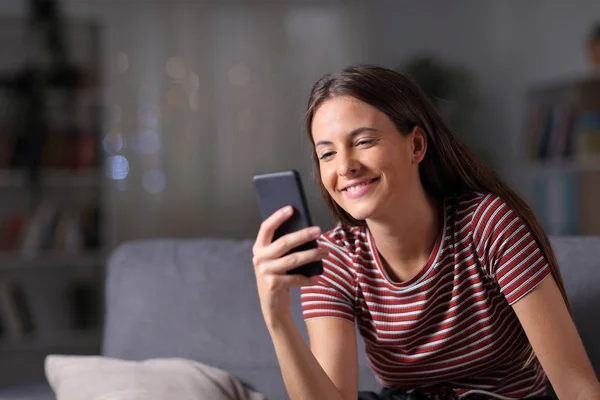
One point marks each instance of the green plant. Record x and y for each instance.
(595, 32)
(450, 88)
(593, 45)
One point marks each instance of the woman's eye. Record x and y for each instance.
(365, 142)
(325, 155)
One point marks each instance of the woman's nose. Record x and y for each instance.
(348, 165)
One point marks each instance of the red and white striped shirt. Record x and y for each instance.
(452, 324)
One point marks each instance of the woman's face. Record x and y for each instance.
(366, 165)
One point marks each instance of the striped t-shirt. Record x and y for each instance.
(451, 325)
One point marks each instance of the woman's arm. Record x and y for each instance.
(556, 342)
(330, 371)
(508, 252)
(335, 341)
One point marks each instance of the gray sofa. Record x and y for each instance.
(197, 299)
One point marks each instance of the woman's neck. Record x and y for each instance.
(406, 237)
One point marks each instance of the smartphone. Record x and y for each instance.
(276, 190)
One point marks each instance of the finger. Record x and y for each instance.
(281, 266)
(285, 245)
(270, 224)
(288, 242)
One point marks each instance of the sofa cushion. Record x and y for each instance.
(579, 261)
(195, 299)
(101, 378)
(185, 298)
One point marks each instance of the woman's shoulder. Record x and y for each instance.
(475, 210)
(345, 238)
(467, 198)
(472, 202)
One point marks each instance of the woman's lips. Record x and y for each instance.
(360, 191)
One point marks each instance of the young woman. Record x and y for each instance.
(442, 267)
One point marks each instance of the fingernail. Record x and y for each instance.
(287, 210)
(315, 231)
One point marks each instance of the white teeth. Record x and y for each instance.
(356, 187)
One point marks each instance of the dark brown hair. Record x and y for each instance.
(449, 168)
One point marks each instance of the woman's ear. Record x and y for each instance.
(419, 144)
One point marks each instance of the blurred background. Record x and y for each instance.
(131, 119)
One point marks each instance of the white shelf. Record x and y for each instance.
(52, 178)
(65, 340)
(15, 261)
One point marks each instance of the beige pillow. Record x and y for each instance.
(103, 378)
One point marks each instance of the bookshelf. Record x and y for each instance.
(53, 225)
(63, 339)
(82, 260)
(562, 152)
(51, 178)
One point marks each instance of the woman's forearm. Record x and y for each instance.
(591, 391)
(303, 376)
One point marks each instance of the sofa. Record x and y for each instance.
(197, 299)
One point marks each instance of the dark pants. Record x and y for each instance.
(390, 394)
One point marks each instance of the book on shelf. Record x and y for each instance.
(74, 151)
(11, 231)
(567, 201)
(561, 132)
(589, 182)
(82, 299)
(588, 138)
(51, 229)
(64, 138)
(15, 310)
(556, 203)
(38, 231)
(566, 127)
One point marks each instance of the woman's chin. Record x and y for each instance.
(360, 215)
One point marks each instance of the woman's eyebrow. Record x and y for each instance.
(353, 133)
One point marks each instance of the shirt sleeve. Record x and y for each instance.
(507, 250)
(334, 295)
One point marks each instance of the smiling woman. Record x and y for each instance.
(384, 156)
(445, 270)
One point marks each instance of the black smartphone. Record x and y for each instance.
(275, 190)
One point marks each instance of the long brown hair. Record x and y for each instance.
(448, 168)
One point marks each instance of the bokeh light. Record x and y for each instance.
(175, 97)
(149, 117)
(117, 167)
(154, 181)
(113, 143)
(176, 67)
(148, 142)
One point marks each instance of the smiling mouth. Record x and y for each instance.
(355, 188)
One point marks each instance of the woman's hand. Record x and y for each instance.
(271, 264)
